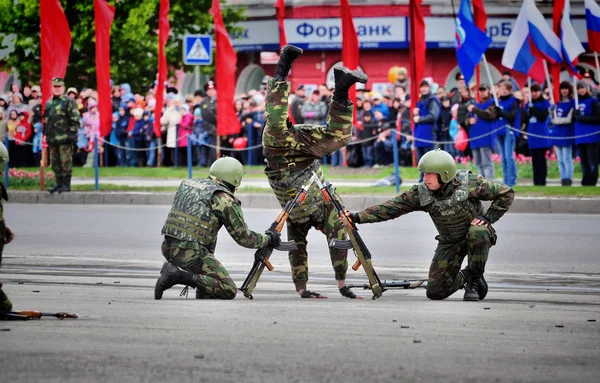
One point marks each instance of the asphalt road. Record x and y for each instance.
(539, 322)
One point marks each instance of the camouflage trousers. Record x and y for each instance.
(214, 281)
(5, 303)
(328, 225)
(444, 277)
(61, 159)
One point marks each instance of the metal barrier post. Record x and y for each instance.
(189, 156)
(176, 160)
(250, 144)
(96, 162)
(6, 165)
(396, 159)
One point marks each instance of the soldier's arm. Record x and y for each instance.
(230, 214)
(487, 190)
(73, 118)
(403, 204)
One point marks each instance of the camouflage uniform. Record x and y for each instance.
(61, 122)
(292, 153)
(452, 209)
(200, 208)
(5, 303)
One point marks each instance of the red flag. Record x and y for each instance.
(164, 29)
(555, 68)
(226, 60)
(350, 46)
(480, 18)
(416, 50)
(280, 11)
(55, 41)
(104, 14)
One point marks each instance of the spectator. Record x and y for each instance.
(183, 131)
(507, 76)
(369, 129)
(138, 134)
(453, 131)
(201, 139)
(171, 118)
(314, 111)
(17, 104)
(296, 107)
(378, 105)
(403, 81)
(72, 93)
(23, 133)
(425, 117)
(115, 96)
(588, 77)
(121, 135)
(509, 118)
(537, 118)
(383, 148)
(3, 127)
(481, 123)
(563, 127)
(209, 116)
(4, 103)
(443, 125)
(587, 129)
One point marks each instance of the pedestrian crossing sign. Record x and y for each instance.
(197, 50)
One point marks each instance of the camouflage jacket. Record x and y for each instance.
(452, 208)
(61, 120)
(3, 196)
(200, 208)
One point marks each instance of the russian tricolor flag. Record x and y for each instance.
(531, 42)
(570, 45)
(592, 18)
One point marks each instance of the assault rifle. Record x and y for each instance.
(261, 257)
(28, 314)
(393, 284)
(355, 242)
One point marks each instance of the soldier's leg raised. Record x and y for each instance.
(445, 276)
(479, 240)
(344, 79)
(66, 160)
(54, 156)
(289, 53)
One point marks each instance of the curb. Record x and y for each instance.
(268, 201)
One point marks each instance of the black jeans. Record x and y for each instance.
(589, 153)
(540, 166)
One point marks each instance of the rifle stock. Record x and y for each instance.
(261, 257)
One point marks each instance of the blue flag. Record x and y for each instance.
(471, 42)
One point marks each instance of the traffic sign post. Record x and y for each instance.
(197, 50)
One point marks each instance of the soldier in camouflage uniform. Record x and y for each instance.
(200, 208)
(453, 200)
(61, 122)
(292, 153)
(6, 235)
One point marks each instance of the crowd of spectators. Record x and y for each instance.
(132, 141)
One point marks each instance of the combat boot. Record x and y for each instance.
(171, 275)
(66, 185)
(289, 53)
(59, 181)
(476, 289)
(344, 79)
(483, 287)
(5, 303)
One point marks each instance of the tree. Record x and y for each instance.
(134, 39)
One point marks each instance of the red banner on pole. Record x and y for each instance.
(104, 14)
(164, 29)
(225, 62)
(55, 44)
(416, 51)
(557, 11)
(480, 18)
(350, 46)
(280, 11)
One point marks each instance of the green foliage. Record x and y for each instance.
(134, 38)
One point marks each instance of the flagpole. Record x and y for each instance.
(489, 73)
(549, 83)
(529, 86)
(576, 95)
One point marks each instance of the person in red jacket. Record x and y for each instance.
(22, 135)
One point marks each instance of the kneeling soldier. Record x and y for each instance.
(201, 206)
(453, 200)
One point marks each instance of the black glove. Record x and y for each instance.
(354, 217)
(274, 238)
